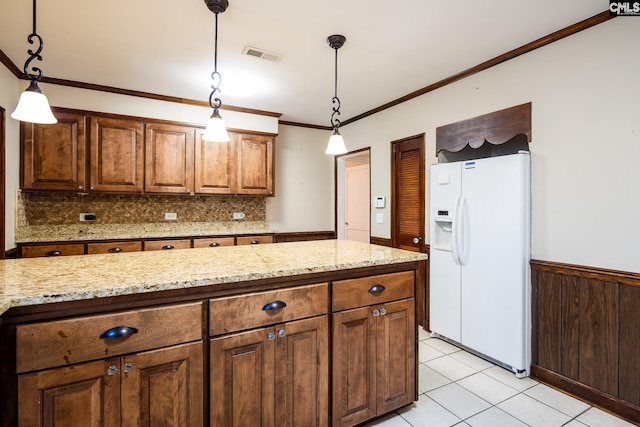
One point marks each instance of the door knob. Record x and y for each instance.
(417, 240)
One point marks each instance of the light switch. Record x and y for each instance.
(379, 218)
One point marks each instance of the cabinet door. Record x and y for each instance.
(215, 166)
(396, 354)
(242, 379)
(169, 158)
(163, 387)
(117, 156)
(255, 164)
(354, 366)
(53, 156)
(87, 394)
(302, 373)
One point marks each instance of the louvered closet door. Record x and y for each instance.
(408, 194)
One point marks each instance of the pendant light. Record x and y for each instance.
(33, 105)
(216, 131)
(336, 143)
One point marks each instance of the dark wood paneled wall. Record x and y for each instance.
(586, 334)
(304, 235)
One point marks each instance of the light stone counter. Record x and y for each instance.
(33, 281)
(89, 231)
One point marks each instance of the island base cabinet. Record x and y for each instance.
(374, 352)
(274, 376)
(158, 387)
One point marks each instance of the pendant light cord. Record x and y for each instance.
(215, 103)
(335, 122)
(34, 54)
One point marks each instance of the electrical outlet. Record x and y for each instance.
(87, 217)
(238, 215)
(170, 216)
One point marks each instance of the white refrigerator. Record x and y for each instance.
(480, 284)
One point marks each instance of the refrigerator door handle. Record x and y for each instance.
(455, 232)
(464, 244)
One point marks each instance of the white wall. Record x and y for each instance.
(9, 94)
(304, 182)
(585, 146)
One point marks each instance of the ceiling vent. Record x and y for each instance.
(261, 54)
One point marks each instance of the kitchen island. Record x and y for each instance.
(194, 335)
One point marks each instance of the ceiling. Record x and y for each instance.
(166, 47)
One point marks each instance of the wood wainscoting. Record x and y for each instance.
(300, 236)
(586, 334)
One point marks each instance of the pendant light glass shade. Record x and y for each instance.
(216, 131)
(336, 144)
(33, 106)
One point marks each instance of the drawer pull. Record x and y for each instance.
(214, 244)
(114, 250)
(376, 288)
(165, 247)
(255, 242)
(119, 331)
(53, 253)
(274, 305)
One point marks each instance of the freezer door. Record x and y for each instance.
(444, 278)
(495, 280)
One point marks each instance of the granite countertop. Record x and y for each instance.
(89, 231)
(33, 281)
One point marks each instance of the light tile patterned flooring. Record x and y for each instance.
(460, 389)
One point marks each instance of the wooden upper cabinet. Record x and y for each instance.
(169, 158)
(53, 156)
(117, 155)
(255, 164)
(215, 166)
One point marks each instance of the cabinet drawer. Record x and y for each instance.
(239, 312)
(63, 342)
(214, 242)
(372, 290)
(53, 250)
(253, 240)
(156, 245)
(113, 247)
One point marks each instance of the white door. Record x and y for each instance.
(357, 206)
(494, 278)
(444, 277)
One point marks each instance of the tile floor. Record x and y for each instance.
(460, 389)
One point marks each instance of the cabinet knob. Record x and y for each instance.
(112, 369)
(53, 253)
(417, 240)
(214, 244)
(274, 305)
(80, 187)
(165, 247)
(376, 312)
(92, 188)
(128, 367)
(114, 250)
(119, 332)
(255, 242)
(282, 333)
(383, 311)
(271, 336)
(376, 289)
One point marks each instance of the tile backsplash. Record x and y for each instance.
(43, 208)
